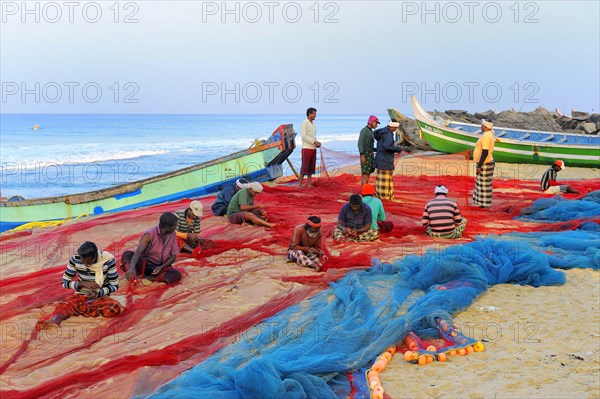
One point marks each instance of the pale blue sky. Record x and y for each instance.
(180, 55)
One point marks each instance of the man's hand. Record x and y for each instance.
(363, 159)
(90, 288)
(131, 275)
(317, 144)
(312, 250)
(193, 237)
(88, 285)
(260, 206)
(157, 270)
(478, 171)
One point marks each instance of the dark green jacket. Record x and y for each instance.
(366, 141)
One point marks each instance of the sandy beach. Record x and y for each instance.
(542, 342)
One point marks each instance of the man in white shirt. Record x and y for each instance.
(308, 131)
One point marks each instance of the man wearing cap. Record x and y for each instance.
(379, 222)
(308, 132)
(242, 210)
(483, 156)
(219, 208)
(305, 246)
(441, 216)
(366, 146)
(549, 184)
(188, 228)
(355, 221)
(384, 159)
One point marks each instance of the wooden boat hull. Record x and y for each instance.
(260, 163)
(454, 137)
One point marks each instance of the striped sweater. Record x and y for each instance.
(76, 267)
(441, 214)
(184, 225)
(549, 179)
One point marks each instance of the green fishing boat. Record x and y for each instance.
(262, 162)
(512, 145)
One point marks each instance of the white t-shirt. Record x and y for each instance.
(308, 132)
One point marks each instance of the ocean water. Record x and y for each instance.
(71, 154)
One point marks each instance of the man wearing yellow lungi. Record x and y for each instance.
(384, 159)
(483, 156)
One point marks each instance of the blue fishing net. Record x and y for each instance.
(307, 350)
(557, 208)
(578, 248)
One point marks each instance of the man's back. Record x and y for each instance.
(441, 214)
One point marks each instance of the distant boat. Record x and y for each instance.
(36, 127)
(512, 145)
(263, 161)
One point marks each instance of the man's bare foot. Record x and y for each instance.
(54, 321)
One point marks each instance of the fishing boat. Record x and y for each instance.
(512, 145)
(261, 162)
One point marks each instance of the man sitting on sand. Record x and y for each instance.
(549, 184)
(155, 253)
(305, 247)
(441, 216)
(377, 212)
(354, 222)
(219, 207)
(242, 210)
(188, 228)
(96, 279)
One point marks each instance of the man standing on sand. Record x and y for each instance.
(308, 132)
(384, 159)
(483, 156)
(155, 253)
(549, 184)
(242, 209)
(366, 146)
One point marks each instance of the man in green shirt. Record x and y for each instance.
(379, 219)
(242, 210)
(366, 145)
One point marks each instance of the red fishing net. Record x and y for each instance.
(225, 289)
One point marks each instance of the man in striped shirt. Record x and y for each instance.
(97, 278)
(549, 184)
(441, 216)
(188, 228)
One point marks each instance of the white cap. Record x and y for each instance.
(441, 190)
(256, 186)
(196, 207)
(487, 124)
(393, 124)
(242, 183)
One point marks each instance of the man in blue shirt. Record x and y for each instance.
(219, 208)
(354, 222)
